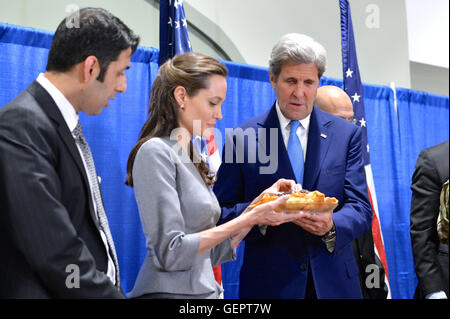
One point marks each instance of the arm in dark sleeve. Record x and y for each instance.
(229, 191)
(426, 188)
(355, 216)
(230, 187)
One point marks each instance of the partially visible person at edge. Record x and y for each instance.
(430, 255)
(55, 240)
(312, 257)
(172, 185)
(336, 101)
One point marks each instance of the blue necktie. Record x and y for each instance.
(295, 152)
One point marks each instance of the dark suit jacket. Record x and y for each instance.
(276, 265)
(430, 257)
(47, 217)
(363, 248)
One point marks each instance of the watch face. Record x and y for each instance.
(330, 235)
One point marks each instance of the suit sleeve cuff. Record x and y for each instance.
(436, 295)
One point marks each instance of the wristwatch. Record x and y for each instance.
(330, 235)
(329, 239)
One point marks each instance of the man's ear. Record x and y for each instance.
(180, 95)
(91, 68)
(272, 80)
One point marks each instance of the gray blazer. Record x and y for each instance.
(174, 206)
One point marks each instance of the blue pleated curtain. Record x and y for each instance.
(396, 135)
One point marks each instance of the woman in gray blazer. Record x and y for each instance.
(172, 185)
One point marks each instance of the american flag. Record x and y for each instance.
(173, 33)
(353, 87)
(173, 40)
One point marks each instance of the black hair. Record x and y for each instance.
(89, 31)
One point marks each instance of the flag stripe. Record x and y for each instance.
(376, 228)
(212, 145)
(377, 238)
(218, 274)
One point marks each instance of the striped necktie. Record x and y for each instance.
(295, 152)
(93, 178)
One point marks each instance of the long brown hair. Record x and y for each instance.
(191, 71)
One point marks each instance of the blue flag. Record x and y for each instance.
(352, 78)
(353, 87)
(173, 33)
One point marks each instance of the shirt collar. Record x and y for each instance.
(66, 108)
(284, 121)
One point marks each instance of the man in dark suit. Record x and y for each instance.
(430, 255)
(311, 257)
(336, 101)
(55, 240)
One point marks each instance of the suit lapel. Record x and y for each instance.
(319, 138)
(49, 106)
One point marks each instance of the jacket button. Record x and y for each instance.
(303, 266)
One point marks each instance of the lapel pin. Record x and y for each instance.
(323, 135)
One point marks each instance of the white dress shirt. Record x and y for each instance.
(71, 118)
(302, 131)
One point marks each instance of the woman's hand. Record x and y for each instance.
(282, 185)
(270, 214)
(265, 214)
